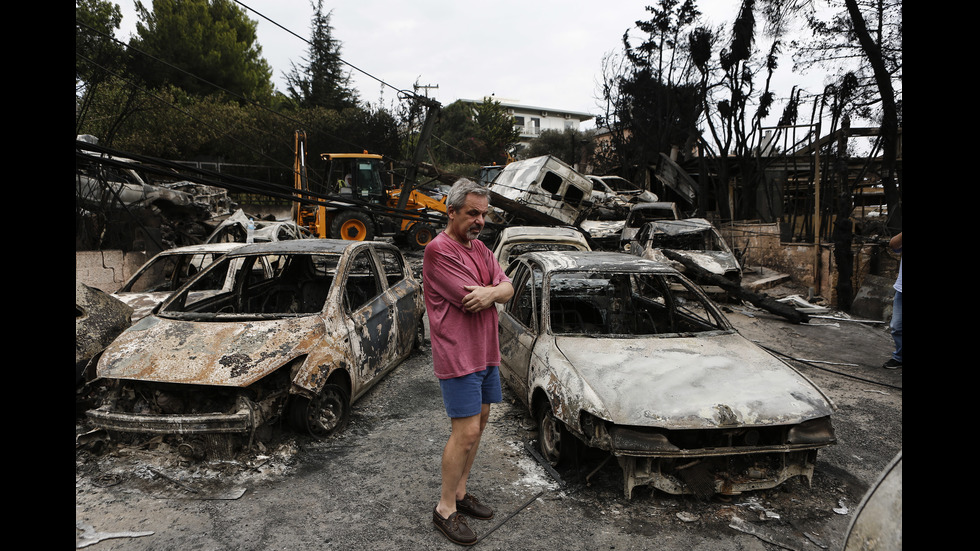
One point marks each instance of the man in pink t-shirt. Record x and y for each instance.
(462, 283)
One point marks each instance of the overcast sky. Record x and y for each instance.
(542, 53)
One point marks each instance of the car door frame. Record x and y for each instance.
(517, 339)
(370, 325)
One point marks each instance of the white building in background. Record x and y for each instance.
(531, 121)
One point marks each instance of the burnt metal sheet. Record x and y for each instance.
(681, 227)
(99, 319)
(716, 262)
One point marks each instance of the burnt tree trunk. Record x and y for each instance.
(759, 300)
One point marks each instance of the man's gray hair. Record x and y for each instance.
(456, 199)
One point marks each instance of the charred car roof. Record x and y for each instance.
(560, 261)
(305, 246)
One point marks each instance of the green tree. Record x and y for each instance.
(478, 133)
(572, 146)
(201, 46)
(99, 57)
(321, 80)
(96, 51)
(496, 129)
(454, 136)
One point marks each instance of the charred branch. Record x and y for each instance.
(756, 299)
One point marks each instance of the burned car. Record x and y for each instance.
(233, 355)
(166, 272)
(234, 229)
(628, 356)
(514, 241)
(613, 196)
(692, 238)
(641, 213)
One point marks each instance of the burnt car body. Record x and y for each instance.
(613, 196)
(514, 241)
(163, 274)
(234, 229)
(542, 190)
(99, 318)
(695, 239)
(877, 521)
(641, 213)
(628, 356)
(233, 355)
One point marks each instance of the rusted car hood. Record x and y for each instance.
(707, 381)
(209, 353)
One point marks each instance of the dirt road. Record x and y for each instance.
(374, 486)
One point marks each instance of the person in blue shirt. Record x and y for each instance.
(896, 325)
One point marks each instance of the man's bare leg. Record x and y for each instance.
(461, 486)
(458, 456)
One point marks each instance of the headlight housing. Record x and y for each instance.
(814, 431)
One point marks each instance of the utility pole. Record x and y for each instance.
(426, 87)
(431, 111)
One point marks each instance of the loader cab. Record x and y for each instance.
(357, 176)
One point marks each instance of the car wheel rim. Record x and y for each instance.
(550, 438)
(326, 413)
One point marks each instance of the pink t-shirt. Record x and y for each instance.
(462, 342)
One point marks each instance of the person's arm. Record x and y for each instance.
(896, 243)
(481, 298)
(445, 278)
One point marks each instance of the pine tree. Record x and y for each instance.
(321, 80)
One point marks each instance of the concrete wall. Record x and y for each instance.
(107, 270)
(873, 264)
(762, 246)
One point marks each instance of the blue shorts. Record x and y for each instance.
(464, 396)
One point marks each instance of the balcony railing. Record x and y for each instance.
(528, 130)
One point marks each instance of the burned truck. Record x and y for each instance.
(540, 191)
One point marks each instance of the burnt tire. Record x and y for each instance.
(325, 415)
(352, 226)
(420, 234)
(558, 446)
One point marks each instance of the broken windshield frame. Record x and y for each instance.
(624, 304)
(240, 288)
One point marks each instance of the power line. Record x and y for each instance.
(86, 152)
(340, 59)
(299, 123)
(192, 75)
